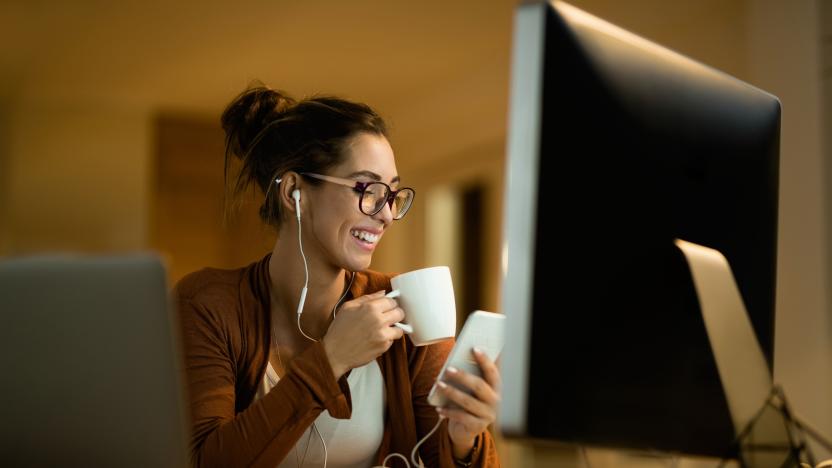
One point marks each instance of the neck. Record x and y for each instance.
(327, 284)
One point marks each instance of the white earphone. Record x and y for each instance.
(296, 196)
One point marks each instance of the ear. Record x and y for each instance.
(290, 182)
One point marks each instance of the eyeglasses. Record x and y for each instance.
(374, 195)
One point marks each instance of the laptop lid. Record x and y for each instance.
(90, 364)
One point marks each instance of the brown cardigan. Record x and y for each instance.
(225, 323)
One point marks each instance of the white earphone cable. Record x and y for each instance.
(415, 453)
(306, 271)
(322, 442)
(417, 462)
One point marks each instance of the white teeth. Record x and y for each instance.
(365, 236)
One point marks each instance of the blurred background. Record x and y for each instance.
(110, 137)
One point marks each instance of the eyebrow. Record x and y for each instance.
(372, 175)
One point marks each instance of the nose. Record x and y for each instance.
(385, 215)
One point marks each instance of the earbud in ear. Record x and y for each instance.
(296, 196)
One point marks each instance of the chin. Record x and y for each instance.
(361, 265)
(356, 260)
(357, 263)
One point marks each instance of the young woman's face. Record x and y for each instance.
(336, 220)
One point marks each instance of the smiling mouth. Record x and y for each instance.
(365, 237)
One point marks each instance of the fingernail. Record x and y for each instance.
(451, 370)
(442, 384)
(477, 350)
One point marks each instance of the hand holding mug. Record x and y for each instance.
(361, 331)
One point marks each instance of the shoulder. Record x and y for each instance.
(216, 290)
(208, 284)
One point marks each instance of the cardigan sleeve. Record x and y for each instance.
(437, 450)
(263, 433)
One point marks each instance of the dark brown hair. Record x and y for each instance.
(270, 133)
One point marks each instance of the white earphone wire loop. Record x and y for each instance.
(346, 291)
(384, 462)
(415, 452)
(334, 308)
(416, 463)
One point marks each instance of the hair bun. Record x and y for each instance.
(250, 113)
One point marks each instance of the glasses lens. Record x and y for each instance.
(372, 201)
(402, 202)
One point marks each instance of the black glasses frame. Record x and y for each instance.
(361, 188)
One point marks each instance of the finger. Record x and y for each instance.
(483, 391)
(393, 316)
(387, 345)
(467, 402)
(374, 295)
(382, 304)
(471, 423)
(392, 333)
(490, 371)
(362, 299)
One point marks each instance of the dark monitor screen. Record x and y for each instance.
(618, 146)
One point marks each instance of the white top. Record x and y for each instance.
(350, 442)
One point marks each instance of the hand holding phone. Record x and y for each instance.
(483, 330)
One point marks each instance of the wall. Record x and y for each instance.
(825, 22)
(5, 177)
(784, 54)
(76, 177)
(187, 223)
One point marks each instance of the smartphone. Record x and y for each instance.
(483, 330)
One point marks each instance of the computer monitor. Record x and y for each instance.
(91, 364)
(616, 148)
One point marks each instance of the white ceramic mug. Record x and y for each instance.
(427, 298)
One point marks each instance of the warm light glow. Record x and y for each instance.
(504, 259)
(587, 20)
(444, 212)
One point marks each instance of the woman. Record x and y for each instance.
(280, 378)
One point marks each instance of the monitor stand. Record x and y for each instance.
(768, 434)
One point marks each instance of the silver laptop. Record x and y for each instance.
(90, 364)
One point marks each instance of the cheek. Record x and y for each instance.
(332, 224)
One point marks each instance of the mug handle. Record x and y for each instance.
(407, 328)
